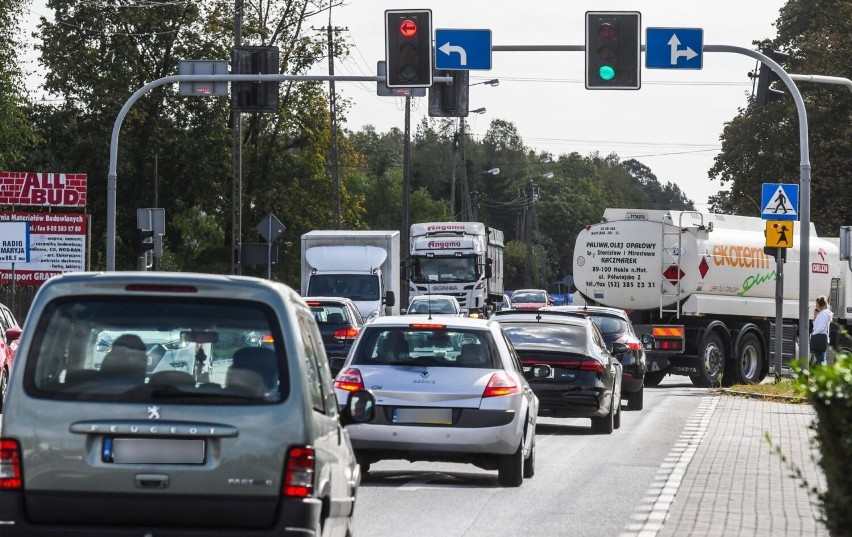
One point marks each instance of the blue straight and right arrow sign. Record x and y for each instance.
(674, 48)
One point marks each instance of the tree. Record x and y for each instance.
(762, 145)
(16, 131)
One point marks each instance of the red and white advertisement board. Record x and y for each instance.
(43, 189)
(57, 245)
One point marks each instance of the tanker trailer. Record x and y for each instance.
(702, 285)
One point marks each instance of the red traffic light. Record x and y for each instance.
(408, 28)
(606, 30)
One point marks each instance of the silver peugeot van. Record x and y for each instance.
(173, 404)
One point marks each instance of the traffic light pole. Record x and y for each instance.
(804, 165)
(112, 177)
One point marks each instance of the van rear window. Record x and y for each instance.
(163, 350)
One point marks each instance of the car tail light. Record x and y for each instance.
(590, 365)
(10, 465)
(156, 288)
(499, 384)
(299, 475)
(346, 334)
(425, 326)
(632, 344)
(349, 380)
(267, 338)
(313, 304)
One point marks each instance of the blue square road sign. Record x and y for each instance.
(462, 50)
(674, 48)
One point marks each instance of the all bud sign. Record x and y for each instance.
(46, 189)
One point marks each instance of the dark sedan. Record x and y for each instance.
(339, 323)
(574, 376)
(615, 327)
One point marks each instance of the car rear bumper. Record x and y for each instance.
(571, 402)
(296, 517)
(501, 440)
(631, 385)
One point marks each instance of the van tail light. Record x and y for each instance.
(10, 465)
(299, 475)
(346, 334)
(349, 380)
(499, 384)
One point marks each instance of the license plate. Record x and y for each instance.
(153, 451)
(428, 416)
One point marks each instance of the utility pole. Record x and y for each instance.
(528, 232)
(236, 152)
(332, 103)
(465, 189)
(453, 175)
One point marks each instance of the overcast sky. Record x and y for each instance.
(672, 124)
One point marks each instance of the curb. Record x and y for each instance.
(796, 400)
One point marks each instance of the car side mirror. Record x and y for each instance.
(403, 311)
(464, 312)
(360, 408)
(390, 299)
(13, 334)
(619, 348)
(648, 341)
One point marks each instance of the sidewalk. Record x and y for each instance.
(735, 484)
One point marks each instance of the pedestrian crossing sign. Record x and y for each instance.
(780, 201)
(779, 233)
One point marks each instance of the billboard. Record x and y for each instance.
(57, 244)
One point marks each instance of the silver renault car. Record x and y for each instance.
(97, 440)
(446, 389)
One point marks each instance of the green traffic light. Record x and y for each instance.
(606, 72)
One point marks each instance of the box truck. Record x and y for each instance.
(359, 265)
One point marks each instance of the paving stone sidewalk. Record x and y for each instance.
(736, 485)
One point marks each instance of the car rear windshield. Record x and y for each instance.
(572, 336)
(529, 298)
(329, 313)
(432, 306)
(447, 347)
(158, 350)
(609, 326)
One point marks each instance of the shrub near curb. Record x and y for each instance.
(829, 389)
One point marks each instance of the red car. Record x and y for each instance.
(530, 299)
(10, 331)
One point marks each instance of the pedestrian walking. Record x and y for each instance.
(819, 334)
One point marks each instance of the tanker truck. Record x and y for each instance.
(703, 286)
(461, 259)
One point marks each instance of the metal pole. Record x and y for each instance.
(269, 249)
(236, 161)
(453, 174)
(779, 311)
(406, 194)
(465, 189)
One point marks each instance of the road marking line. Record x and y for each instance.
(647, 522)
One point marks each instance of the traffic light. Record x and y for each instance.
(142, 243)
(765, 94)
(450, 100)
(408, 48)
(612, 49)
(254, 96)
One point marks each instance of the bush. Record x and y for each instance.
(829, 390)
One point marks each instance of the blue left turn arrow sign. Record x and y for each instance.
(462, 50)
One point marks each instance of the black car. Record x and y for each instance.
(568, 365)
(615, 327)
(339, 323)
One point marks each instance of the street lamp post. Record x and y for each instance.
(492, 171)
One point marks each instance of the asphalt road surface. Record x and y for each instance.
(585, 484)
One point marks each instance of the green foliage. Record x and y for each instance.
(16, 131)
(829, 390)
(762, 144)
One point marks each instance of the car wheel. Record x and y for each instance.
(606, 424)
(635, 400)
(4, 384)
(654, 378)
(529, 464)
(510, 469)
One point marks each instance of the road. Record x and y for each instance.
(585, 484)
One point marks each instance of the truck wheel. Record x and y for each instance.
(749, 367)
(654, 378)
(712, 357)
